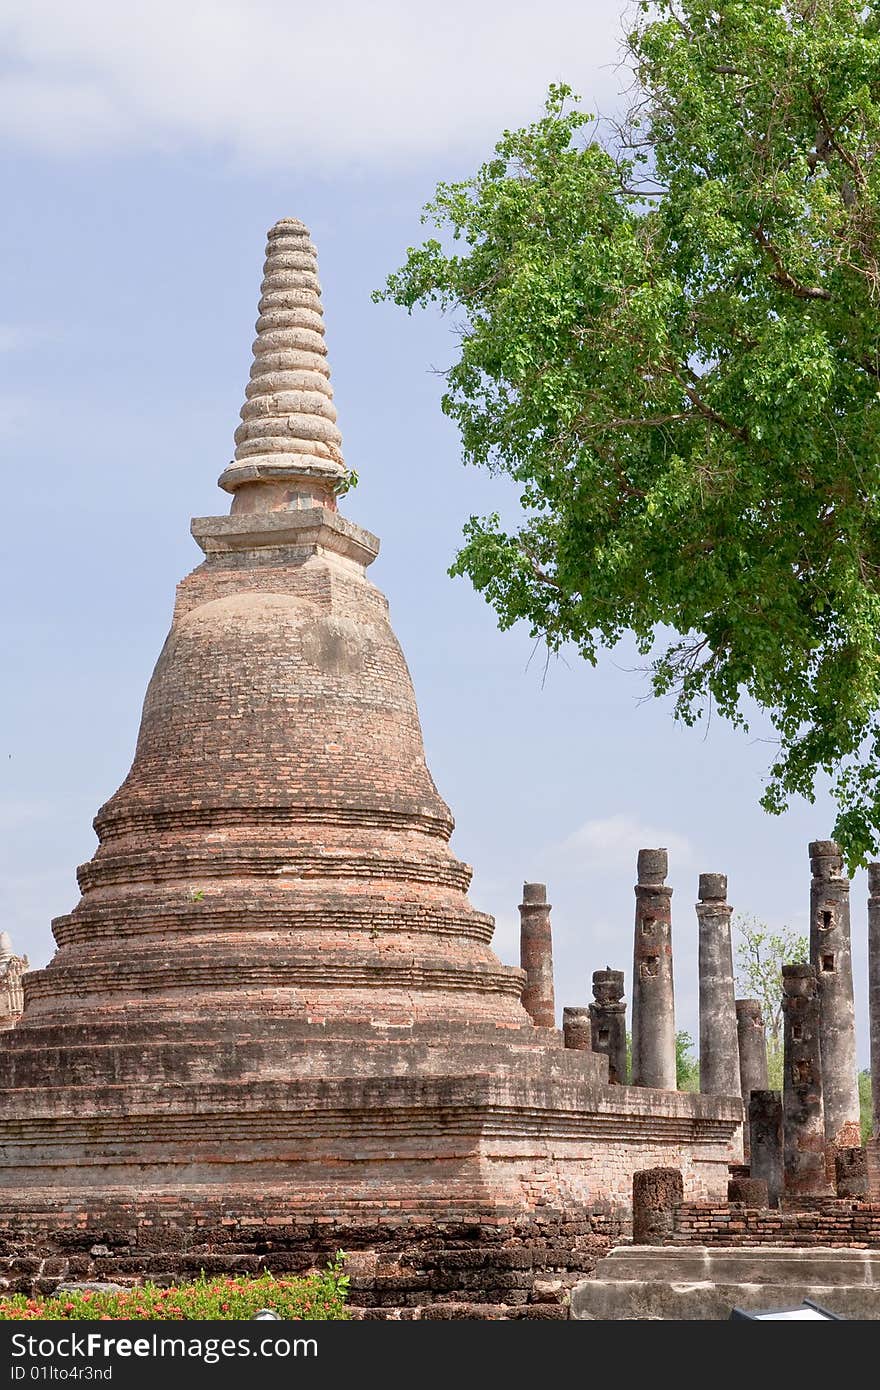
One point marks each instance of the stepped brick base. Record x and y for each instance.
(479, 1196)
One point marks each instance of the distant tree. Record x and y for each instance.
(668, 338)
(760, 955)
(687, 1065)
(866, 1104)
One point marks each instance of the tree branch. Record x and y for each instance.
(782, 276)
(830, 141)
(703, 407)
(643, 421)
(539, 573)
(870, 367)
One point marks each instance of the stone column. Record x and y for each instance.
(766, 1142)
(851, 1173)
(874, 986)
(577, 1031)
(719, 1052)
(656, 1194)
(608, 1022)
(536, 955)
(752, 1044)
(653, 1017)
(872, 1164)
(803, 1116)
(830, 954)
(749, 1192)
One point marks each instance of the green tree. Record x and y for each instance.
(865, 1105)
(669, 338)
(760, 955)
(687, 1066)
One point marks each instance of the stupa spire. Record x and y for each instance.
(288, 448)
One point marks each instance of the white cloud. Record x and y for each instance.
(345, 82)
(613, 843)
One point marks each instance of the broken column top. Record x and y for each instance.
(713, 888)
(534, 893)
(608, 986)
(751, 1008)
(653, 867)
(826, 860)
(799, 979)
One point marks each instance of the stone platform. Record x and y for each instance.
(699, 1283)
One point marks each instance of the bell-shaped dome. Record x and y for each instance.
(278, 698)
(278, 847)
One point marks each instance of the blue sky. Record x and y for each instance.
(145, 152)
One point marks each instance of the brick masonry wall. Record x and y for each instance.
(826, 1222)
(495, 1267)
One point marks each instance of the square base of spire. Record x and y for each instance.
(309, 529)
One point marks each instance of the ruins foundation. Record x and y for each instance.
(273, 1025)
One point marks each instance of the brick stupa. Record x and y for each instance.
(274, 997)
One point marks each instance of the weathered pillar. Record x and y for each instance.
(749, 1192)
(752, 1045)
(608, 1022)
(577, 1031)
(851, 1173)
(874, 987)
(536, 955)
(653, 1017)
(831, 955)
(656, 1194)
(872, 1164)
(765, 1141)
(719, 1052)
(803, 1116)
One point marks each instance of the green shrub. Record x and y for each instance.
(312, 1297)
